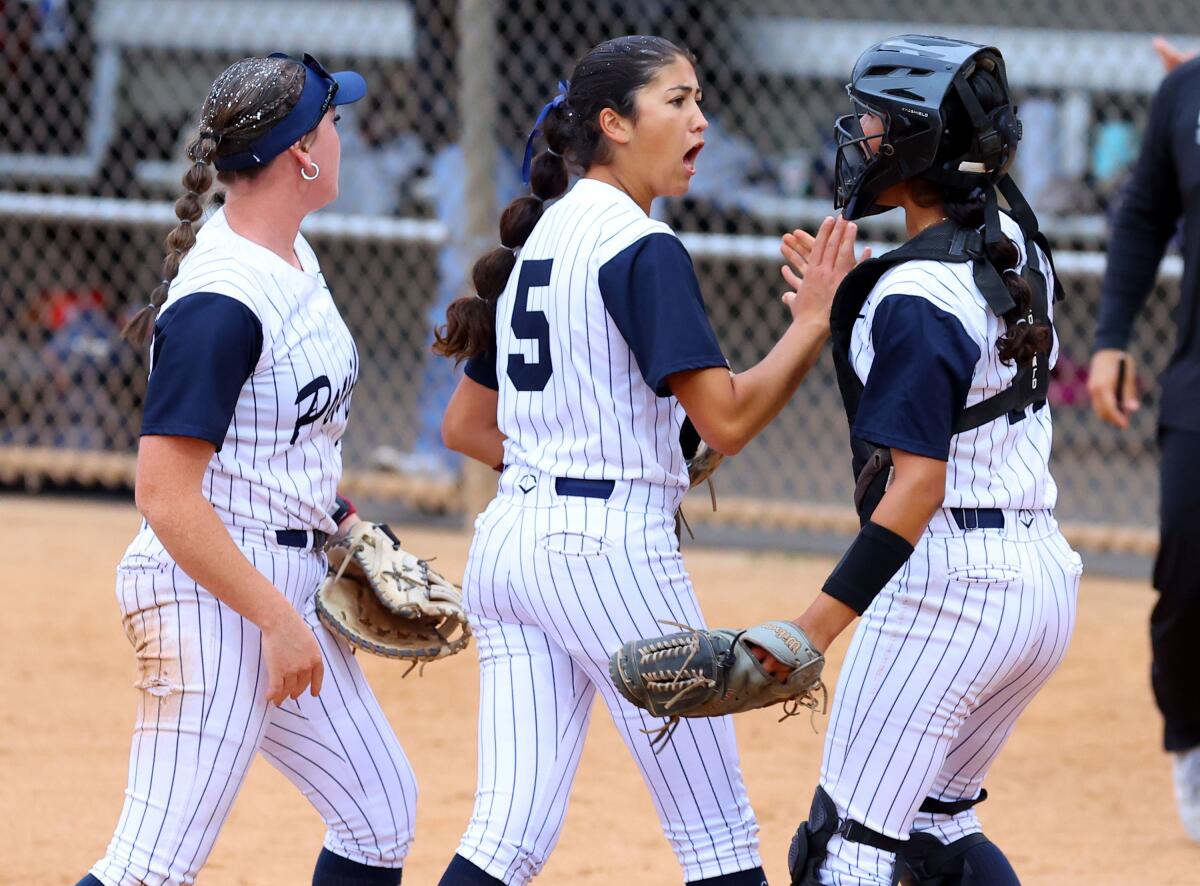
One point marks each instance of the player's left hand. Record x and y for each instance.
(796, 247)
(831, 259)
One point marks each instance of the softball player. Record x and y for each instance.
(597, 342)
(251, 374)
(966, 587)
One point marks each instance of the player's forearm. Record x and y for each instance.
(755, 397)
(469, 424)
(761, 392)
(910, 503)
(194, 536)
(880, 550)
(483, 443)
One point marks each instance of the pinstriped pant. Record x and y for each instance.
(202, 715)
(942, 664)
(553, 586)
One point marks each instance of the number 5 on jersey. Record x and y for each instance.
(526, 374)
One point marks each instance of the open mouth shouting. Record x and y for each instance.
(689, 159)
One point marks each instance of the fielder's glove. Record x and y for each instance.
(714, 672)
(387, 601)
(702, 460)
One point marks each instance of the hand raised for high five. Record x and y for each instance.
(817, 265)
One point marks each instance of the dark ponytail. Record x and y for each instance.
(470, 328)
(608, 76)
(1024, 338)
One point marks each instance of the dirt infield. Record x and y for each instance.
(1081, 795)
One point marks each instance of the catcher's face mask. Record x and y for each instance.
(861, 137)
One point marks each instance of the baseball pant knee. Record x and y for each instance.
(334, 870)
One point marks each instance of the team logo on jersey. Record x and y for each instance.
(322, 402)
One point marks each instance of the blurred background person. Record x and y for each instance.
(1163, 189)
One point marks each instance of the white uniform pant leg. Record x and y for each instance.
(987, 727)
(343, 755)
(201, 713)
(942, 641)
(534, 710)
(607, 576)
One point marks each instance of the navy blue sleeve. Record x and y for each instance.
(919, 379)
(651, 292)
(205, 347)
(482, 369)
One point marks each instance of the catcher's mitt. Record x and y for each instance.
(387, 601)
(714, 672)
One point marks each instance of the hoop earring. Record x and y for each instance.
(311, 178)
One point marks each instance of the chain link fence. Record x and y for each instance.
(99, 97)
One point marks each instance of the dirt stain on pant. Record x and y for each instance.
(157, 655)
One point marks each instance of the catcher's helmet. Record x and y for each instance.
(934, 125)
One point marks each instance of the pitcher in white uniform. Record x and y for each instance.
(587, 343)
(965, 585)
(240, 457)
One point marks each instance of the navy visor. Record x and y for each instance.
(321, 91)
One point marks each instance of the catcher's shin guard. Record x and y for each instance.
(811, 841)
(973, 860)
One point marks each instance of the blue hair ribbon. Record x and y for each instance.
(563, 86)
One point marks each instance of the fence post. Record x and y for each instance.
(477, 76)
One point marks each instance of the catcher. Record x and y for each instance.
(386, 601)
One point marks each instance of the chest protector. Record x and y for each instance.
(949, 243)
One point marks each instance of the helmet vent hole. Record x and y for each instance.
(900, 92)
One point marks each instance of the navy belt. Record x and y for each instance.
(978, 518)
(300, 538)
(584, 488)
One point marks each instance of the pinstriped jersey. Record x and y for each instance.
(601, 307)
(252, 354)
(1002, 464)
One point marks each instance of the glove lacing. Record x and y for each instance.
(690, 679)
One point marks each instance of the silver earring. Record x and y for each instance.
(310, 178)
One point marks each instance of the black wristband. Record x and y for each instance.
(343, 508)
(875, 555)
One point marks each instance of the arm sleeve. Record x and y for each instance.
(919, 379)
(651, 292)
(482, 370)
(205, 348)
(1146, 219)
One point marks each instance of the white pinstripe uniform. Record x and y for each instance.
(577, 553)
(963, 637)
(202, 713)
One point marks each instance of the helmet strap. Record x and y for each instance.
(987, 137)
